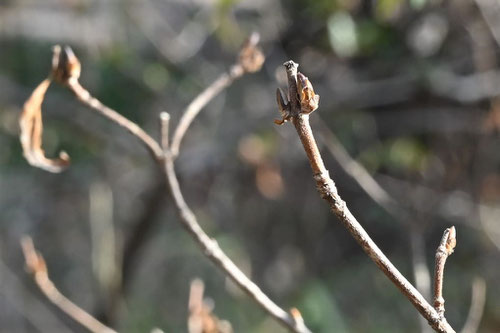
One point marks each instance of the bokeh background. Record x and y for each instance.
(409, 88)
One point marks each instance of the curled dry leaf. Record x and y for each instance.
(31, 133)
(309, 101)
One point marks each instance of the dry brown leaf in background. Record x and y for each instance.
(201, 319)
(31, 133)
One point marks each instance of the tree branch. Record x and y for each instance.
(328, 192)
(37, 267)
(249, 60)
(213, 252)
(445, 248)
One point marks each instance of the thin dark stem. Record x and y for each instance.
(328, 191)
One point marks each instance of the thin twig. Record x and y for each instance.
(212, 250)
(328, 191)
(445, 248)
(66, 69)
(86, 98)
(360, 175)
(249, 60)
(36, 266)
(199, 102)
(476, 309)
(164, 123)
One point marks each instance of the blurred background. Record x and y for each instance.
(409, 107)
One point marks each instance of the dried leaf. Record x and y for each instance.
(309, 101)
(31, 133)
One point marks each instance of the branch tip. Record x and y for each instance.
(65, 65)
(251, 57)
(291, 66)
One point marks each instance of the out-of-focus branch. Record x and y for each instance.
(445, 248)
(478, 300)
(250, 60)
(299, 107)
(360, 175)
(37, 267)
(213, 252)
(490, 10)
(66, 70)
(421, 272)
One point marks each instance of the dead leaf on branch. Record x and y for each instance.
(31, 133)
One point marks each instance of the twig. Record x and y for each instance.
(328, 191)
(212, 251)
(86, 98)
(360, 175)
(421, 274)
(250, 60)
(66, 70)
(445, 248)
(164, 122)
(201, 317)
(36, 266)
(476, 309)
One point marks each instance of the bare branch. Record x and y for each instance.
(164, 123)
(445, 248)
(37, 267)
(67, 72)
(249, 60)
(476, 309)
(213, 252)
(360, 175)
(328, 191)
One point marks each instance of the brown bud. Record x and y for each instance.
(65, 65)
(309, 101)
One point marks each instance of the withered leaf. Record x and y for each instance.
(31, 133)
